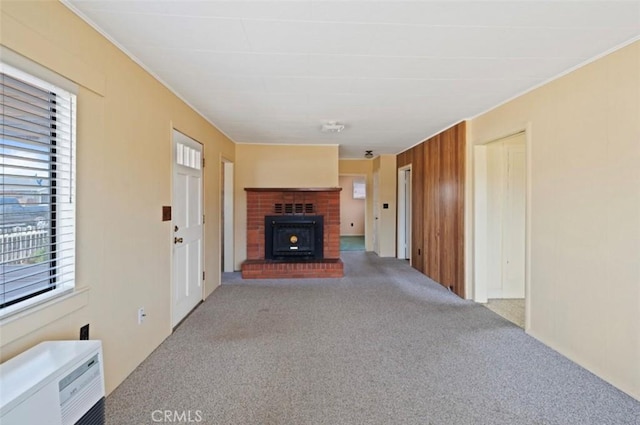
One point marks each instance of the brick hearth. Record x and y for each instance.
(266, 201)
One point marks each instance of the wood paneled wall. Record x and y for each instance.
(437, 208)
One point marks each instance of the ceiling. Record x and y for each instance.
(394, 73)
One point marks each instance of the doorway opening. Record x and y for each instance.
(500, 196)
(352, 212)
(404, 213)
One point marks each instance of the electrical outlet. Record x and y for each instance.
(141, 315)
(84, 332)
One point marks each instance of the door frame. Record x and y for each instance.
(364, 177)
(403, 248)
(478, 219)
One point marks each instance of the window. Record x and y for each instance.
(359, 190)
(37, 188)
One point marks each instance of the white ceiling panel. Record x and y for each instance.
(503, 13)
(143, 30)
(224, 63)
(267, 64)
(308, 37)
(337, 107)
(438, 89)
(223, 83)
(309, 85)
(246, 107)
(490, 42)
(282, 10)
(393, 72)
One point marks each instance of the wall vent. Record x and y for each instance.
(297, 208)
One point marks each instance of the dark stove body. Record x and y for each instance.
(294, 237)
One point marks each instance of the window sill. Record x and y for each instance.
(40, 311)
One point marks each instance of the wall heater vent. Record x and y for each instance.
(54, 383)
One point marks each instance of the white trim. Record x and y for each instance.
(404, 238)
(31, 303)
(55, 306)
(31, 71)
(227, 231)
(528, 133)
(478, 233)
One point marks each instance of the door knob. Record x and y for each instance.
(175, 228)
(177, 240)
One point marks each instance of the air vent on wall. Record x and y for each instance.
(297, 208)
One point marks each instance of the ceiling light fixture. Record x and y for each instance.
(368, 154)
(332, 127)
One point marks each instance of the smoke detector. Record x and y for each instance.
(332, 127)
(368, 154)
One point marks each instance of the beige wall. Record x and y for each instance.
(351, 210)
(124, 124)
(385, 166)
(364, 168)
(282, 166)
(583, 135)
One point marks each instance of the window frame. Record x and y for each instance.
(66, 215)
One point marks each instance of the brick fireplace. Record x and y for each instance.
(299, 208)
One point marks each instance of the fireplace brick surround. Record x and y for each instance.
(263, 202)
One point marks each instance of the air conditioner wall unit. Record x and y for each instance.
(54, 383)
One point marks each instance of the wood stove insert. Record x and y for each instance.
(294, 238)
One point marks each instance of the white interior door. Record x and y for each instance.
(187, 225)
(500, 215)
(495, 209)
(513, 235)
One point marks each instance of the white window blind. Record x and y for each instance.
(37, 187)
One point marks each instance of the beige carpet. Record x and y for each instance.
(383, 345)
